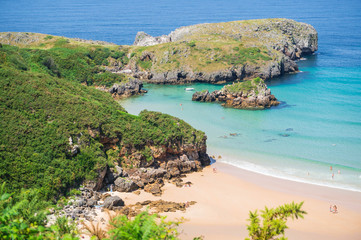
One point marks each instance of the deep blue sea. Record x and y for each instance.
(318, 125)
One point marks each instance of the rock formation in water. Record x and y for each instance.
(130, 88)
(220, 52)
(251, 94)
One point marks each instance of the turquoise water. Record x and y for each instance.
(322, 104)
(315, 127)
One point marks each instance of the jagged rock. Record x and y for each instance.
(144, 39)
(125, 185)
(80, 203)
(91, 203)
(253, 94)
(75, 150)
(113, 174)
(114, 201)
(100, 178)
(130, 88)
(154, 188)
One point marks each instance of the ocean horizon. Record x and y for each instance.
(316, 126)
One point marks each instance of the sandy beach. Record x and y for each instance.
(225, 197)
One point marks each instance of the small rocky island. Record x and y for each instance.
(251, 94)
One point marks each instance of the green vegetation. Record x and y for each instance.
(40, 111)
(144, 226)
(200, 55)
(244, 55)
(191, 43)
(145, 64)
(76, 63)
(23, 217)
(273, 222)
(244, 86)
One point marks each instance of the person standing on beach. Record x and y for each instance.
(334, 209)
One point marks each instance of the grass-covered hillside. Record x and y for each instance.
(56, 132)
(80, 61)
(211, 54)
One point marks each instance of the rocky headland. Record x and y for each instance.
(252, 94)
(221, 52)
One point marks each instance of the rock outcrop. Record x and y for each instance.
(86, 206)
(166, 164)
(144, 39)
(130, 88)
(113, 201)
(222, 52)
(251, 94)
(137, 166)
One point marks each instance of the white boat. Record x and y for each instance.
(189, 89)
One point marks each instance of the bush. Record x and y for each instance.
(191, 44)
(273, 221)
(144, 226)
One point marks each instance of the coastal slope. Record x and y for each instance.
(57, 133)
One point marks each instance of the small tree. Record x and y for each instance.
(273, 221)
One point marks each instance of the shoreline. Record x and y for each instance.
(342, 174)
(297, 179)
(278, 184)
(225, 197)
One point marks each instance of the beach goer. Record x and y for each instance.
(339, 172)
(333, 175)
(187, 205)
(334, 209)
(330, 168)
(214, 170)
(331, 208)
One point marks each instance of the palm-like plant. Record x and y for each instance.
(273, 221)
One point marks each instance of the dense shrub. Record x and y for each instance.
(39, 112)
(144, 226)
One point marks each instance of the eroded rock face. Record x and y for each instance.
(144, 39)
(258, 97)
(167, 163)
(133, 87)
